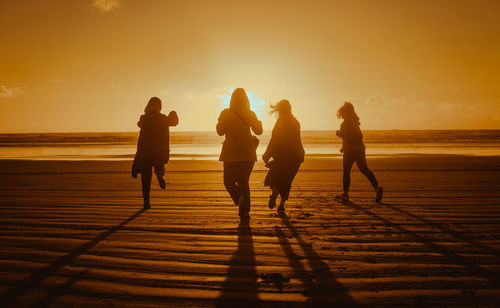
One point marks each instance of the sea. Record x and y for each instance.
(207, 145)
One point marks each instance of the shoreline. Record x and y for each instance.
(401, 162)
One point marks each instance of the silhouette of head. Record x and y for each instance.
(239, 101)
(154, 105)
(282, 108)
(347, 112)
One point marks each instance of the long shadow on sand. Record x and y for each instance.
(55, 292)
(472, 266)
(36, 278)
(240, 287)
(458, 235)
(320, 285)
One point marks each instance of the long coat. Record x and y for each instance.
(238, 144)
(285, 145)
(153, 146)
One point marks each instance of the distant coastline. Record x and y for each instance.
(206, 145)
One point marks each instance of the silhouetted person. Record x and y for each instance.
(153, 147)
(354, 150)
(287, 153)
(239, 148)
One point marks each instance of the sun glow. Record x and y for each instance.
(257, 103)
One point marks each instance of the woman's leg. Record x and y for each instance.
(289, 171)
(347, 162)
(146, 175)
(363, 168)
(230, 176)
(272, 198)
(270, 181)
(243, 177)
(160, 172)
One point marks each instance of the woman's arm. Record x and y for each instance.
(271, 147)
(173, 119)
(340, 132)
(255, 124)
(349, 131)
(140, 121)
(221, 129)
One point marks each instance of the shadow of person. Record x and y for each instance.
(240, 287)
(57, 291)
(38, 277)
(474, 267)
(320, 285)
(456, 234)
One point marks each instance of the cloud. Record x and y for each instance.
(413, 112)
(59, 80)
(6, 92)
(106, 5)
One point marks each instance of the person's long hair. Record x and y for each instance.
(154, 105)
(281, 108)
(347, 112)
(240, 102)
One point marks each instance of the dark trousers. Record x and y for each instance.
(236, 177)
(360, 158)
(147, 174)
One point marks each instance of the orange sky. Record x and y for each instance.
(91, 65)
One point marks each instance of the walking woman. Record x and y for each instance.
(354, 151)
(287, 153)
(153, 148)
(239, 148)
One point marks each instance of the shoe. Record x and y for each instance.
(281, 211)
(272, 202)
(162, 183)
(342, 198)
(380, 193)
(146, 205)
(244, 208)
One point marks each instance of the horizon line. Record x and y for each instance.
(206, 131)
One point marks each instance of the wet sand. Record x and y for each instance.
(73, 233)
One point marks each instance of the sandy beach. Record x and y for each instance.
(74, 233)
